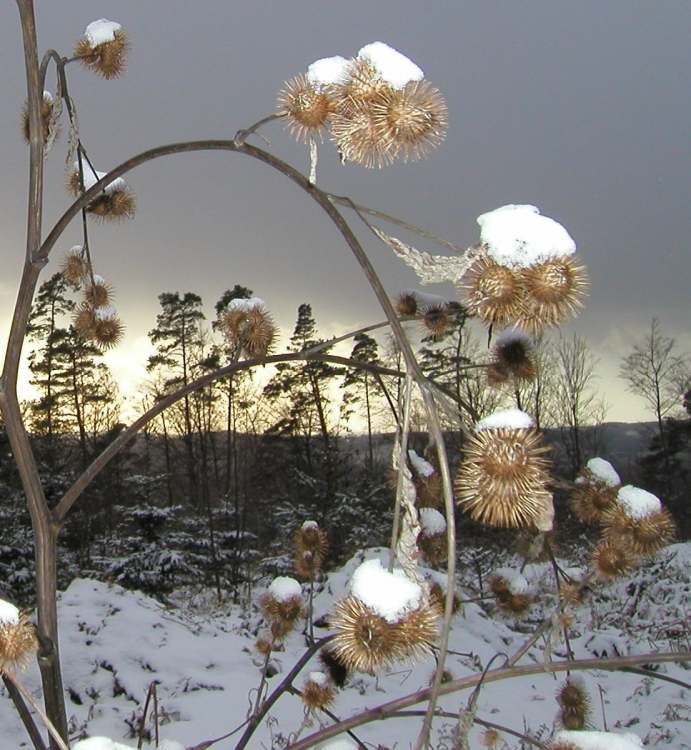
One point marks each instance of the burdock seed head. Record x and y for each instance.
(513, 356)
(612, 558)
(494, 292)
(502, 479)
(311, 545)
(406, 304)
(97, 293)
(47, 109)
(307, 107)
(574, 703)
(318, 691)
(75, 266)
(103, 48)
(282, 604)
(512, 591)
(17, 638)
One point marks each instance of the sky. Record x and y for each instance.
(579, 108)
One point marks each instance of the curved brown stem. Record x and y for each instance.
(385, 710)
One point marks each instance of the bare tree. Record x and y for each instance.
(656, 372)
(576, 403)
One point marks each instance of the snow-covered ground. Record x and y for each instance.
(115, 642)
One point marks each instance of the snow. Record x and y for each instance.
(510, 419)
(246, 304)
(517, 582)
(591, 740)
(432, 521)
(393, 67)
(318, 678)
(390, 595)
(422, 467)
(283, 588)
(338, 744)
(47, 97)
(108, 312)
(9, 614)
(519, 237)
(638, 503)
(90, 179)
(310, 525)
(604, 471)
(101, 31)
(328, 71)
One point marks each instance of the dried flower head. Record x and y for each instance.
(307, 107)
(48, 123)
(512, 357)
(428, 491)
(573, 593)
(116, 201)
(412, 120)
(317, 691)
(282, 604)
(357, 139)
(75, 266)
(361, 85)
(432, 540)
(17, 638)
(334, 665)
(591, 499)
(437, 599)
(502, 479)
(108, 328)
(248, 324)
(103, 48)
(437, 320)
(511, 590)
(406, 304)
(495, 292)
(367, 642)
(535, 547)
(574, 703)
(97, 293)
(612, 558)
(554, 292)
(638, 520)
(490, 738)
(264, 643)
(311, 545)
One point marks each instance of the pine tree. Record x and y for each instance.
(361, 389)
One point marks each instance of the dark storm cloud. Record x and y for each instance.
(580, 108)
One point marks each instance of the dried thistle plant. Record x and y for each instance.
(103, 48)
(318, 691)
(512, 592)
(17, 638)
(574, 703)
(311, 546)
(49, 124)
(306, 106)
(513, 357)
(247, 324)
(75, 266)
(494, 292)
(502, 480)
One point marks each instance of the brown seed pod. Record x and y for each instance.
(337, 670)
(406, 304)
(573, 593)
(357, 140)
(512, 357)
(108, 329)
(260, 333)
(437, 320)
(317, 691)
(307, 107)
(591, 499)
(361, 86)
(286, 610)
(97, 293)
(367, 642)
(75, 266)
(115, 205)
(412, 119)
(428, 491)
(574, 703)
(311, 545)
(490, 738)
(84, 321)
(555, 291)
(645, 529)
(264, 643)
(47, 107)
(107, 59)
(502, 479)
(437, 599)
(612, 558)
(17, 638)
(495, 293)
(511, 590)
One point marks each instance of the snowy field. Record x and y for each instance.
(115, 642)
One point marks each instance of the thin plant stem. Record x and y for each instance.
(39, 711)
(404, 430)
(24, 713)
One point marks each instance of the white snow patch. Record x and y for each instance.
(107, 312)
(100, 743)
(393, 67)
(283, 588)
(246, 304)
(338, 744)
(425, 299)
(310, 525)
(9, 614)
(390, 595)
(638, 503)
(101, 31)
(604, 471)
(422, 467)
(90, 179)
(517, 582)
(47, 97)
(432, 521)
(509, 335)
(518, 236)
(318, 678)
(510, 419)
(587, 740)
(328, 71)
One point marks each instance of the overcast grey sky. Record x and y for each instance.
(581, 108)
